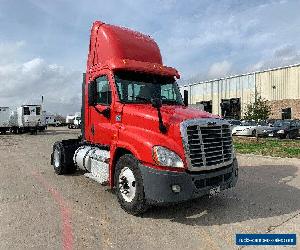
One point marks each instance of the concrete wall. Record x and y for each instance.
(242, 87)
(280, 86)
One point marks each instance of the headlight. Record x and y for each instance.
(281, 131)
(165, 157)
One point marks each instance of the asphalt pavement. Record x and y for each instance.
(40, 210)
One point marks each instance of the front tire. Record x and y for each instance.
(129, 185)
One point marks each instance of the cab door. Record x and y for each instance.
(100, 115)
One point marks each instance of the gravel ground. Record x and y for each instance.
(40, 210)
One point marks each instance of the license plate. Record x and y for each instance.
(270, 135)
(214, 191)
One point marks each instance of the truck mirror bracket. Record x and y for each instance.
(92, 93)
(105, 112)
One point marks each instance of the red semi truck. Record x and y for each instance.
(138, 135)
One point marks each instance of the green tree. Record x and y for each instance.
(258, 110)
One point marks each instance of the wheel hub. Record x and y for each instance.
(127, 184)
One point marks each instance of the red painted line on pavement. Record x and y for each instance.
(67, 231)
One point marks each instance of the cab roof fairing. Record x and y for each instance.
(116, 47)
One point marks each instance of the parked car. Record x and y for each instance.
(264, 129)
(233, 123)
(271, 122)
(247, 128)
(288, 129)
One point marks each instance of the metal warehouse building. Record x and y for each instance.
(230, 96)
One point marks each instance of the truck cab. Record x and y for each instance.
(27, 118)
(138, 134)
(74, 121)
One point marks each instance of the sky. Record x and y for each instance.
(43, 44)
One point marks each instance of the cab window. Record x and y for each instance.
(38, 111)
(26, 111)
(103, 91)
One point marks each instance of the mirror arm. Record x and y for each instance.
(104, 112)
(162, 127)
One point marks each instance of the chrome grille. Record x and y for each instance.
(208, 146)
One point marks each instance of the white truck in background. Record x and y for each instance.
(74, 121)
(27, 118)
(5, 113)
(51, 121)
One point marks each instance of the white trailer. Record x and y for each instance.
(5, 113)
(27, 118)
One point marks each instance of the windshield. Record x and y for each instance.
(141, 88)
(235, 122)
(249, 123)
(281, 123)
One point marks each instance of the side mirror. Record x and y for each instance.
(186, 97)
(156, 103)
(92, 93)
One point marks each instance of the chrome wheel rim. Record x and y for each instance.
(127, 184)
(56, 158)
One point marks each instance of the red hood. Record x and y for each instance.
(180, 113)
(140, 125)
(142, 115)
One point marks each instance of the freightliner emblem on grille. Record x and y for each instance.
(211, 124)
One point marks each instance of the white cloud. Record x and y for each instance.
(282, 56)
(194, 36)
(219, 69)
(26, 82)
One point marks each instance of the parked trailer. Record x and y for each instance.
(27, 118)
(138, 136)
(5, 113)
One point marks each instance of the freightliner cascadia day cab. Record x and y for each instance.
(138, 135)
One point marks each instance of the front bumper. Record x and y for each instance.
(157, 184)
(31, 124)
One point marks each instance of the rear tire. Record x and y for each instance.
(62, 159)
(129, 185)
(254, 133)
